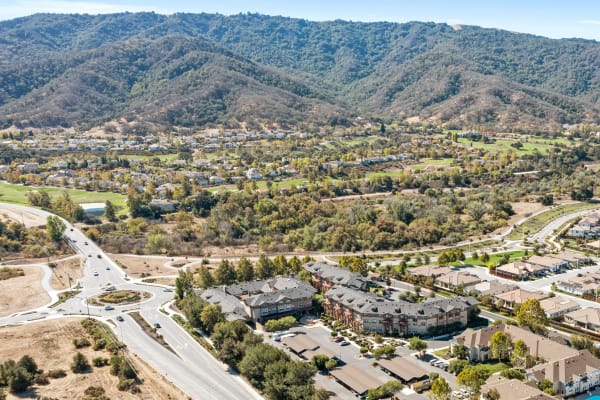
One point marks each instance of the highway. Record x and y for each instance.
(193, 369)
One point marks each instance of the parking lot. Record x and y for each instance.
(351, 356)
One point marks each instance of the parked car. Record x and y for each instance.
(156, 325)
(120, 318)
(338, 339)
(108, 308)
(86, 243)
(95, 273)
(344, 343)
(99, 256)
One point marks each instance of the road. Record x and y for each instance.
(191, 368)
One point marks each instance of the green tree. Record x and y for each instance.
(20, 380)
(55, 228)
(210, 316)
(245, 270)
(440, 389)
(80, 363)
(519, 354)
(456, 366)
(500, 345)
(184, 284)
(472, 377)
(460, 351)
(386, 390)
(386, 350)
(205, 278)
(319, 361)
(264, 267)
(417, 344)
(109, 211)
(29, 364)
(225, 273)
(546, 386)
(256, 360)
(532, 315)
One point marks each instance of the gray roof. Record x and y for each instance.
(338, 276)
(266, 286)
(279, 296)
(231, 307)
(368, 303)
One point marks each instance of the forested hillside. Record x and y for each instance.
(197, 69)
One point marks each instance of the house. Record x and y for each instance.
(518, 296)
(519, 270)
(432, 271)
(581, 285)
(490, 288)
(324, 276)
(253, 174)
(587, 227)
(570, 375)
(587, 318)
(575, 260)
(363, 311)
(551, 264)
(457, 279)
(556, 306)
(513, 389)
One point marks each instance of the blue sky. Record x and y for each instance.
(552, 18)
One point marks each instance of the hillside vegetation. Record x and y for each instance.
(201, 69)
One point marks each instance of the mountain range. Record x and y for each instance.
(208, 69)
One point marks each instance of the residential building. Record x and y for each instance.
(519, 270)
(587, 318)
(432, 271)
(556, 306)
(367, 312)
(513, 389)
(575, 260)
(551, 264)
(581, 284)
(324, 276)
(457, 279)
(518, 296)
(490, 288)
(231, 307)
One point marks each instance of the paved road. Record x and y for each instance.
(192, 368)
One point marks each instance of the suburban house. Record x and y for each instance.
(519, 270)
(556, 306)
(457, 279)
(363, 311)
(587, 318)
(518, 296)
(429, 271)
(264, 299)
(587, 227)
(581, 284)
(513, 389)
(490, 288)
(324, 276)
(575, 260)
(570, 375)
(551, 264)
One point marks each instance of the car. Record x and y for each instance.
(89, 255)
(108, 308)
(107, 268)
(156, 325)
(95, 273)
(71, 229)
(338, 339)
(120, 318)
(86, 243)
(344, 343)
(99, 255)
(167, 290)
(435, 360)
(110, 289)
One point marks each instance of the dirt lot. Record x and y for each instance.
(70, 266)
(523, 209)
(22, 293)
(50, 343)
(25, 217)
(161, 281)
(135, 266)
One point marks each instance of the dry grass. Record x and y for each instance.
(64, 268)
(135, 266)
(23, 292)
(7, 273)
(50, 344)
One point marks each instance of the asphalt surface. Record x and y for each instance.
(191, 368)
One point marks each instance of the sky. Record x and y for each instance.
(551, 18)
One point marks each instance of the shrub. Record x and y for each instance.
(56, 373)
(80, 343)
(41, 379)
(94, 391)
(100, 361)
(99, 344)
(125, 384)
(80, 363)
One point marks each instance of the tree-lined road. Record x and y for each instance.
(193, 369)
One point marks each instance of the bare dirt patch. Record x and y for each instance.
(161, 281)
(143, 266)
(22, 293)
(50, 343)
(65, 268)
(27, 218)
(523, 209)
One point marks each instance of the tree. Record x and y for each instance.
(184, 284)
(532, 315)
(55, 228)
(80, 363)
(230, 352)
(512, 373)
(460, 351)
(386, 390)
(440, 389)
(29, 364)
(456, 366)
(225, 273)
(256, 360)
(210, 316)
(519, 354)
(205, 279)
(546, 386)
(264, 267)
(109, 211)
(386, 350)
(19, 380)
(492, 394)
(500, 345)
(319, 361)
(417, 344)
(472, 377)
(245, 270)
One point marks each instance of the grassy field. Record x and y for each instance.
(502, 145)
(494, 258)
(539, 221)
(11, 193)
